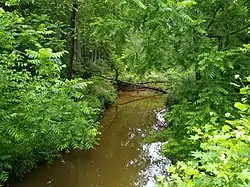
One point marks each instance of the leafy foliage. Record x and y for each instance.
(224, 156)
(41, 114)
(202, 45)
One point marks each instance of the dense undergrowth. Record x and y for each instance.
(215, 151)
(42, 113)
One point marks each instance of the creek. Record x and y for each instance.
(121, 159)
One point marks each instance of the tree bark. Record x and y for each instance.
(72, 39)
(196, 49)
(143, 86)
(116, 74)
(220, 43)
(213, 17)
(134, 84)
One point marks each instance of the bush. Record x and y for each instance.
(103, 90)
(41, 115)
(224, 156)
(221, 156)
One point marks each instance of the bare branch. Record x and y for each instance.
(214, 15)
(213, 36)
(237, 31)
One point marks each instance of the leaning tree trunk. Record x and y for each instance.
(72, 39)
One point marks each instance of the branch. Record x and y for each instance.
(215, 13)
(143, 86)
(20, 52)
(232, 33)
(134, 84)
(153, 82)
(213, 36)
(243, 28)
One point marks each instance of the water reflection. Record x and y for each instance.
(119, 160)
(157, 164)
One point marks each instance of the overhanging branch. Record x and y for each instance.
(214, 15)
(213, 36)
(230, 34)
(237, 31)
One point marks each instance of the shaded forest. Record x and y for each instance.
(61, 62)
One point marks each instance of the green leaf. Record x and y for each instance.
(244, 90)
(140, 4)
(226, 128)
(240, 106)
(248, 78)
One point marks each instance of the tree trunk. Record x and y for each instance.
(196, 49)
(72, 39)
(220, 43)
(119, 82)
(116, 74)
(79, 42)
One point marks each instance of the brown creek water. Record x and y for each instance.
(120, 160)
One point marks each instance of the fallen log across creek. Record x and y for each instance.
(124, 83)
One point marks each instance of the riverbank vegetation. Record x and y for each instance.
(58, 58)
(42, 113)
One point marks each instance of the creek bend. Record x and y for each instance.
(120, 159)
